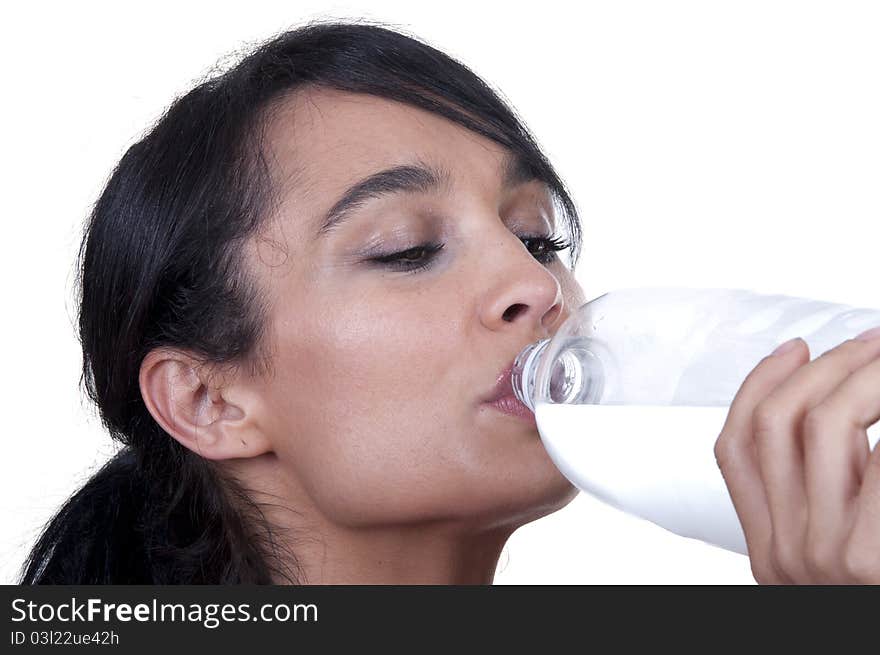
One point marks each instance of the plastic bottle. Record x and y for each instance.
(633, 390)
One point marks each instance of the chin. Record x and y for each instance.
(557, 490)
(552, 497)
(562, 494)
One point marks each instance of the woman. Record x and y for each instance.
(301, 292)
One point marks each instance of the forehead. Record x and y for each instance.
(322, 138)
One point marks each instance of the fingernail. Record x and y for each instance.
(873, 333)
(785, 347)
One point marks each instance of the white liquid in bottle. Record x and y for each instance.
(656, 462)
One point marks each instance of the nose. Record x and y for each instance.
(525, 296)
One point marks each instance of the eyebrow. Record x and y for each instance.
(414, 178)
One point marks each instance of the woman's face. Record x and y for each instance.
(375, 404)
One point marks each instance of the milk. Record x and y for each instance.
(655, 462)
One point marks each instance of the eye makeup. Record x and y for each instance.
(422, 256)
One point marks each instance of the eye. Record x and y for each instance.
(412, 260)
(420, 258)
(547, 247)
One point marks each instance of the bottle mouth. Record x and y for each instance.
(576, 374)
(525, 367)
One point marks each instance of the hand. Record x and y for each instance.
(794, 454)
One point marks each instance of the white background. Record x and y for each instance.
(730, 144)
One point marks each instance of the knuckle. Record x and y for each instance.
(784, 558)
(817, 421)
(820, 559)
(725, 452)
(767, 417)
(859, 564)
(824, 423)
(762, 571)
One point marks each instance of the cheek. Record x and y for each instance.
(369, 413)
(376, 416)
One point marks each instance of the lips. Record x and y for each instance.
(512, 406)
(502, 397)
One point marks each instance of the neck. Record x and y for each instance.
(398, 556)
(322, 552)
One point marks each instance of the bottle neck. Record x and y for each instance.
(524, 368)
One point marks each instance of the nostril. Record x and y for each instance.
(513, 311)
(553, 317)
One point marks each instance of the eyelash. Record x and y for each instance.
(398, 262)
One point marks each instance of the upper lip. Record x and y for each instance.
(503, 385)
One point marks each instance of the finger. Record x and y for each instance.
(777, 426)
(737, 457)
(840, 496)
(862, 555)
(835, 456)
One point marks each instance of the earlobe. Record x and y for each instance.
(182, 399)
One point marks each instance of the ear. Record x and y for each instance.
(216, 423)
